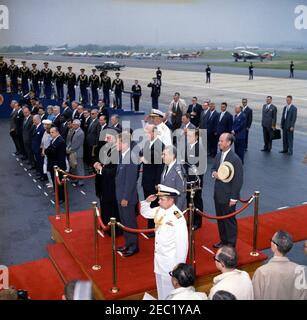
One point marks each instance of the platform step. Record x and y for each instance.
(64, 263)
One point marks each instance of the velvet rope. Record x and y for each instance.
(104, 228)
(228, 215)
(127, 229)
(92, 176)
(60, 183)
(246, 200)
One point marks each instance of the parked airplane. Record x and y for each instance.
(249, 55)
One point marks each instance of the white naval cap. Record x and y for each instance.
(156, 113)
(46, 121)
(167, 191)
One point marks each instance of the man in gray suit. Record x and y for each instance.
(126, 192)
(75, 151)
(227, 194)
(27, 133)
(269, 118)
(288, 120)
(173, 175)
(92, 136)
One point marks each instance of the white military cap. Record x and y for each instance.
(47, 121)
(156, 113)
(167, 191)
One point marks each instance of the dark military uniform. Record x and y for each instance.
(24, 74)
(118, 88)
(291, 69)
(94, 84)
(71, 81)
(106, 87)
(159, 76)
(155, 93)
(136, 95)
(208, 74)
(46, 76)
(83, 83)
(13, 72)
(59, 78)
(251, 71)
(3, 73)
(35, 78)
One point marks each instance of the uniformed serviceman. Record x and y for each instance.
(136, 94)
(24, 74)
(106, 86)
(35, 78)
(82, 80)
(59, 78)
(13, 72)
(164, 133)
(155, 92)
(71, 81)
(46, 77)
(208, 74)
(3, 73)
(171, 242)
(251, 71)
(94, 84)
(118, 88)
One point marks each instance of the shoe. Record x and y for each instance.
(218, 245)
(283, 151)
(130, 253)
(122, 249)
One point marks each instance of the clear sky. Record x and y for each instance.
(151, 22)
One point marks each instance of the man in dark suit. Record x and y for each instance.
(151, 157)
(13, 125)
(208, 74)
(287, 125)
(251, 71)
(103, 110)
(204, 115)
(38, 132)
(195, 160)
(195, 110)
(56, 155)
(224, 124)
(227, 194)
(27, 133)
(173, 175)
(67, 112)
(239, 132)
(18, 119)
(249, 119)
(126, 192)
(136, 95)
(115, 122)
(212, 122)
(92, 136)
(269, 118)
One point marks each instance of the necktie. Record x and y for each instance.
(165, 172)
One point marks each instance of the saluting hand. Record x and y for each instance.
(151, 198)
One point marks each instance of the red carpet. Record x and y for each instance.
(39, 278)
(293, 220)
(139, 267)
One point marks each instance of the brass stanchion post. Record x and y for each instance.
(254, 253)
(114, 289)
(191, 233)
(68, 229)
(96, 266)
(56, 191)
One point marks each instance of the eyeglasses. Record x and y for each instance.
(215, 259)
(275, 242)
(171, 274)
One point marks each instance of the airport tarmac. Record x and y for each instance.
(25, 204)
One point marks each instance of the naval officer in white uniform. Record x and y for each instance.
(171, 242)
(164, 133)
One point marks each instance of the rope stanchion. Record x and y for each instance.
(96, 266)
(68, 229)
(191, 237)
(127, 229)
(56, 191)
(104, 227)
(92, 176)
(114, 288)
(255, 253)
(228, 215)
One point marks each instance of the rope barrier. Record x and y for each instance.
(60, 183)
(246, 200)
(201, 213)
(103, 226)
(92, 176)
(127, 229)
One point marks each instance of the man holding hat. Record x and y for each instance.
(3, 73)
(46, 77)
(94, 84)
(118, 88)
(59, 78)
(71, 81)
(171, 241)
(82, 80)
(35, 78)
(227, 171)
(24, 74)
(13, 73)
